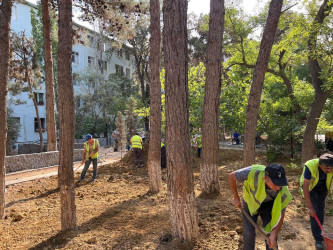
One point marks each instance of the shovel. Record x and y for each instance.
(78, 167)
(260, 230)
(327, 237)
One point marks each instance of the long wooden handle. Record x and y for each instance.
(261, 231)
(78, 167)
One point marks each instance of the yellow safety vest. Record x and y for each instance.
(136, 142)
(254, 194)
(162, 144)
(87, 146)
(199, 141)
(313, 166)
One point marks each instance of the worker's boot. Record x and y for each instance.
(319, 245)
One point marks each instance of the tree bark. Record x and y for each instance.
(154, 153)
(182, 207)
(321, 95)
(49, 84)
(66, 117)
(6, 13)
(210, 125)
(252, 112)
(308, 144)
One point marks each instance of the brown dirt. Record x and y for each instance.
(117, 212)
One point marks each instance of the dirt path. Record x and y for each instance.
(106, 156)
(117, 212)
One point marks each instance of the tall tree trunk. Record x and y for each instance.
(252, 112)
(40, 129)
(6, 13)
(50, 106)
(182, 207)
(321, 95)
(308, 144)
(67, 119)
(154, 153)
(210, 126)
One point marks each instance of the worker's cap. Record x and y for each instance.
(277, 174)
(87, 137)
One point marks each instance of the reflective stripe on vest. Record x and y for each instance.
(254, 194)
(87, 145)
(136, 142)
(313, 166)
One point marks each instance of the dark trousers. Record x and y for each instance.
(318, 203)
(249, 236)
(199, 152)
(86, 166)
(163, 157)
(137, 156)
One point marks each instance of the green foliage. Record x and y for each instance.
(196, 89)
(13, 132)
(121, 128)
(99, 100)
(131, 117)
(272, 154)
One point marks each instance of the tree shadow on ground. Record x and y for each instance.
(43, 195)
(63, 237)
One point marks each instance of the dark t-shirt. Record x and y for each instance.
(321, 185)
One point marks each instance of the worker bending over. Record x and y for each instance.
(265, 194)
(315, 181)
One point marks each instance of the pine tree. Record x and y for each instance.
(121, 128)
(6, 13)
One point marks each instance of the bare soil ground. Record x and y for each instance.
(117, 212)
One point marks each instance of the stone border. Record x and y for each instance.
(37, 160)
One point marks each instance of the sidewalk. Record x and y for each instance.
(106, 156)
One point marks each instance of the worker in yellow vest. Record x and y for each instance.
(316, 181)
(90, 154)
(136, 147)
(265, 194)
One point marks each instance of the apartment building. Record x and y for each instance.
(83, 56)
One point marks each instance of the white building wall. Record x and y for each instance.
(21, 21)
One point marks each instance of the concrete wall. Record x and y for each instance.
(35, 161)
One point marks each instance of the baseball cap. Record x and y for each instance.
(277, 174)
(87, 137)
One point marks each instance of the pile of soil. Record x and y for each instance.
(118, 212)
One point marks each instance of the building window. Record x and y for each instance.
(127, 55)
(75, 57)
(91, 61)
(119, 69)
(128, 73)
(42, 120)
(75, 79)
(39, 97)
(91, 84)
